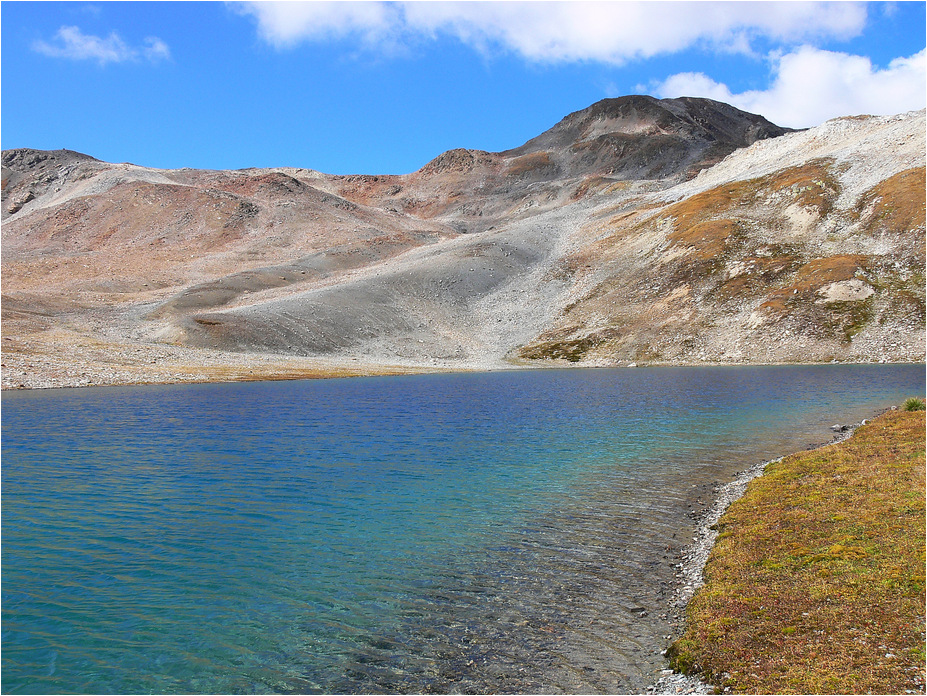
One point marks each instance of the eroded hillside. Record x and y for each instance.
(635, 231)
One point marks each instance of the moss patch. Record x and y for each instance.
(816, 584)
(570, 349)
(851, 317)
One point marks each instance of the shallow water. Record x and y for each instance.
(499, 532)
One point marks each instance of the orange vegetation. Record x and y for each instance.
(899, 202)
(813, 276)
(816, 582)
(812, 183)
(528, 163)
(708, 239)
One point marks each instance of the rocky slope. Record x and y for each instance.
(635, 231)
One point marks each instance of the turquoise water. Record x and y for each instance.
(499, 532)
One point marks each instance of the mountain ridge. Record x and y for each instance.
(636, 230)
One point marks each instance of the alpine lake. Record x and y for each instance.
(500, 532)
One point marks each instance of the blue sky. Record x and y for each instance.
(381, 88)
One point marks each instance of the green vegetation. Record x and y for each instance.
(572, 350)
(849, 317)
(913, 404)
(816, 583)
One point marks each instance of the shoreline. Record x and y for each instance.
(690, 571)
(176, 365)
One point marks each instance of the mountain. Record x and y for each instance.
(638, 230)
(628, 138)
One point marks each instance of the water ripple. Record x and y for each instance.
(499, 533)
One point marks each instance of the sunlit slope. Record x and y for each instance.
(806, 247)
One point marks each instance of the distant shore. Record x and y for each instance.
(81, 362)
(37, 365)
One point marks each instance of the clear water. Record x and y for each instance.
(499, 532)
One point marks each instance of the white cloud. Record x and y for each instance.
(155, 49)
(611, 32)
(71, 43)
(810, 86)
(285, 24)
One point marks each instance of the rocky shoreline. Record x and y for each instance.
(690, 571)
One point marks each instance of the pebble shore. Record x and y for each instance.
(690, 571)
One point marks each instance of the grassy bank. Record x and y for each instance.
(816, 583)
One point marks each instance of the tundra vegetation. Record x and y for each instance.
(816, 583)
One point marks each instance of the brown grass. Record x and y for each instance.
(706, 239)
(591, 184)
(708, 204)
(761, 271)
(898, 202)
(813, 276)
(528, 163)
(816, 583)
(811, 184)
(832, 269)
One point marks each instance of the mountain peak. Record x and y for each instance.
(642, 137)
(27, 157)
(636, 112)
